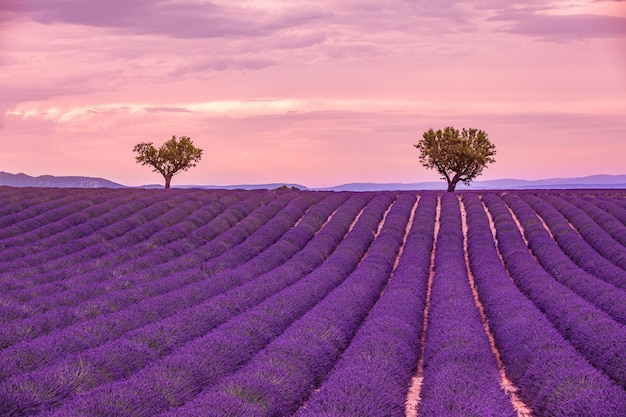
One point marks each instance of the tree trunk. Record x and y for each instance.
(452, 186)
(168, 180)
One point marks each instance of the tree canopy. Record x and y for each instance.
(172, 157)
(456, 155)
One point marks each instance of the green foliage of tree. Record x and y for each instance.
(456, 155)
(286, 187)
(172, 157)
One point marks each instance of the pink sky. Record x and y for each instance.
(312, 92)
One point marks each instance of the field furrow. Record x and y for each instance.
(553, 378)
(599, 338)
(461, 375)
(601, 294)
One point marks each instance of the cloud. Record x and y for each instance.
(41, 89)
(167, 110)
(300, 40)
(173, 19)
(192, 19)
(223, 64)
(572, 27)
(540, 22)
(89, 13)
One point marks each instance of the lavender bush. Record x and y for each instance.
(461, 376)
(372, 375)
(579, 250)
(601, 294)
(554, 380)
(599, 338)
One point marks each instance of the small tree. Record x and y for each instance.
(456, 155)
(172, 157)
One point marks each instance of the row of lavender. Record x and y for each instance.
(147, 303)
(285, 298)
(125, 232)
(87, 297)
(279, 378)
(84, 285)
(124, 227)
(526, 309)
(527, 289)
(273, 244)
(180, 374)
(372, 375)
(590, 312)
(584, 241)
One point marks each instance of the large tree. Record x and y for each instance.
(456, 155)
(172, 157)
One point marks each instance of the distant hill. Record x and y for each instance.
(23, 180)
(270, 186)
(593, 181)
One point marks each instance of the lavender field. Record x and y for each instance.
(132, 302)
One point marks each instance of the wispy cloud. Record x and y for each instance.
(222, 64)
(174, 19)
(167, 110)
(540, 23)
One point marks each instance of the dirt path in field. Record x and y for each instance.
(330, 217)
(571, 225)
(492, 225)
(382, 221)
(413, 394)
(521, 229)
(377, 232)
(356, 219)
(511, 390)
(545, 226)
(409, 224)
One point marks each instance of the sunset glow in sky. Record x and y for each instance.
(314, 92)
